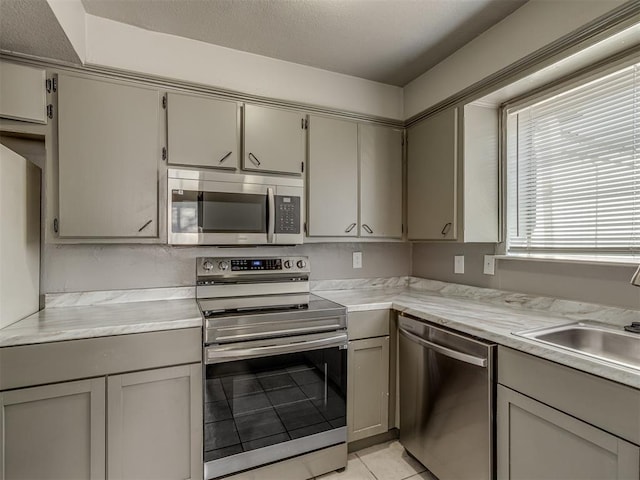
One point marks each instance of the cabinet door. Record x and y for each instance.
(108, 146)
(54, 431)
(333, 178)
(273, 140)
(368, 388)
(380, 181)
(202, 132)
(22, 93)
(155, 424)
(538, 442)
(431, 178)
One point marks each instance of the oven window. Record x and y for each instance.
(184, 211)
(233, 213)
(250, 404)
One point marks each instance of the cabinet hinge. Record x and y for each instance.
(164, 102)
(56, 225)
(51, 84)
(302, 167)
(50, 111)
(164, 153)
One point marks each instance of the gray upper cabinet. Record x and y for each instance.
(380, 181)
(22, 93)
(274, 140)
(108, 152)
(354, 179)
(332, 178)
(202, 132)
(452, 176)
(155, 424)
(431, 177)
(53, 431)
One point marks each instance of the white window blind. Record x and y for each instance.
(573, 170)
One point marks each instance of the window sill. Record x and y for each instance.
(630, 261)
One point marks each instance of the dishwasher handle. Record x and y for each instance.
(463, 357)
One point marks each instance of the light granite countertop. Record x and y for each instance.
(492, 315)
(102, 320)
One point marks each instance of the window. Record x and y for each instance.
(573, 169)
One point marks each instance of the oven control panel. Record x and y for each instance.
(230, 266)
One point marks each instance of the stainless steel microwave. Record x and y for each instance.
(219, 208)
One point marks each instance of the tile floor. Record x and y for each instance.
(386, 461)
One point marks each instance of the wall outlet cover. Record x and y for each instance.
(357, 259)
(489, 266)
(458, 264)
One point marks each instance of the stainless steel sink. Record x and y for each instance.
(603, 342)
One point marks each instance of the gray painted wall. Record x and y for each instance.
(73, 268)
(603, 283)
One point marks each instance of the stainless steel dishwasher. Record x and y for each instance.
(447, 405)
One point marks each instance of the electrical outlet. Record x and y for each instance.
(357, 259)
(489, 265)
(458, 264)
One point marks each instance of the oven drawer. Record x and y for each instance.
(276, 346)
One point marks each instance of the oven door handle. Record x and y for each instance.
(271, 215)
(227, 353)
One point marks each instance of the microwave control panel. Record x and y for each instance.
(288, 214)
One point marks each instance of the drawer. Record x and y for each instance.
(368, 324)
(603, 403)
(44, 363)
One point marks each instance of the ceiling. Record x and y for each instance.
(388, 41)
(29, 27)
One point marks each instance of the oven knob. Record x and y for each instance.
(287, 264)
(208, 266)
(223, 266)
(301, 264)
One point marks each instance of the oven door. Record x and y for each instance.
(268, 400)
(220, 213)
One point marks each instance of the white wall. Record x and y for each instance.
(534, 25)
(71, 16)
(115, 44)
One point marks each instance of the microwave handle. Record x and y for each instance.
(271, 215)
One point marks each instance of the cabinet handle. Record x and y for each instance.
(145, 225)
(349, 228)
(446, 228)
(254, 159)
(367, 228)
(224, 158)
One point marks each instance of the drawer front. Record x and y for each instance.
(368, 324)
(69, 360)
(603, 403)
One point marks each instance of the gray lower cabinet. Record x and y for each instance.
(539, 442)
(155, 423)
(368, 374)
(109, 148)
(368, 388)
(53, 431)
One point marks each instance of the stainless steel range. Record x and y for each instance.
(276, 367)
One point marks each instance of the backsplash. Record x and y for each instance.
(604, 284)
(81, 268)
